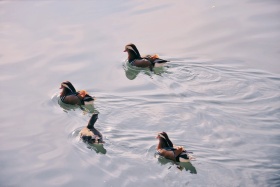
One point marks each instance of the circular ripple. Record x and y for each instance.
(83, 146)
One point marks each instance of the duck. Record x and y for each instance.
(135, 59)
(69, 95)
(169, 151)
(90, 134)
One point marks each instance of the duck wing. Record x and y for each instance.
(173, 149)
(169, 148)
(155, 59)
(183, 157)
(158, 60)
(97, 135)
(88, 98)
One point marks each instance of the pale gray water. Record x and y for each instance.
(218, 97)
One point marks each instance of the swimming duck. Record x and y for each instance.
(166, 149)
(135, 59)
(69, 95)
(91, 134)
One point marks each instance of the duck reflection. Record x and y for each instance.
(98, 148)
(181, 166)
(131, 72)
(84, 108)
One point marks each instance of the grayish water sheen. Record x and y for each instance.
(219, 96)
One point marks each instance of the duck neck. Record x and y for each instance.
(161, 144)
(64, 92)
(164, 143)
(132, 56)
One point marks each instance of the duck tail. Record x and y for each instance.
(189, 154)
(185, 157)
(89, 98)
(92, 121)
(192, 157)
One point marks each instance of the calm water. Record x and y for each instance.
(218, 97)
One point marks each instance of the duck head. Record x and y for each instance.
(164, 140)
(132, 52)
(67, 88)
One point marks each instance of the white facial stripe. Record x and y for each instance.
(65, 85)
(161, 136)
(129, 47)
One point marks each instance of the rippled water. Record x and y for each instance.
(219, 96)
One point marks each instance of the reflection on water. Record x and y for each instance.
(221, 112)
(98, 148)
(131, 72)
(76, 140)
(187, 166)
